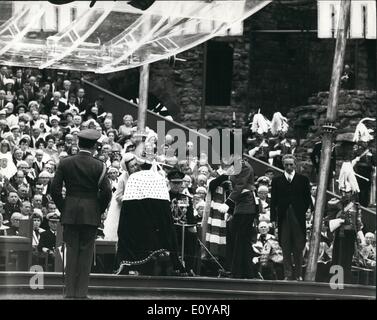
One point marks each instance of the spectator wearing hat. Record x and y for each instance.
(113, 174)
(129, 166)
(112, 137)
(264, 181)
(47, 240)
(20, 110)
(88, 193)
(202, 180)
(54, 121)
(9, 89)
(51, 149)
(183, 213)
(15, 130)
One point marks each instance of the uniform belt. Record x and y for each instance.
(82, 194)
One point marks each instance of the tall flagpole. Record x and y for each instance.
(327, 140)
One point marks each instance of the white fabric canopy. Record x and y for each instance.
(77, 37)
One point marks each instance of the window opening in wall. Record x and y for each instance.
(219, 73)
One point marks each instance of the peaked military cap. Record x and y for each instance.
(89, 134)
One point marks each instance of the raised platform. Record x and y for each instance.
(104, 286)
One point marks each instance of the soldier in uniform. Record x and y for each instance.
(345, 236)
(47, 240)
(279, 147)
(183, 214)
(260, 148)
(88, 193)
(315, 157)
(364, 161)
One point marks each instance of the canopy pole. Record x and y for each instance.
(143, 98)
(327, 140)
(143, 92)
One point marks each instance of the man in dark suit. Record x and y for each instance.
(46, 93)
(3, 76)
(88, 193)
(81, 101)
(26, 92)
(290, 199)
(57, 103)
(18, 80)
(38, 164)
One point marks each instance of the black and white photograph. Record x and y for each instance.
(191, 152)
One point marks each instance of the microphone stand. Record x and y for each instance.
(63, 267)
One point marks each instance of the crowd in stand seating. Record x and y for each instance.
(40, 116)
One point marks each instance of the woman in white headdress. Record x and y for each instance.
(7, 166)
(112, 220)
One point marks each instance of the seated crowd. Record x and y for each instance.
(39, 121)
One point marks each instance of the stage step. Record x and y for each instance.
(107, 286)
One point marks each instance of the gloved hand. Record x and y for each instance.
(224, 208)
